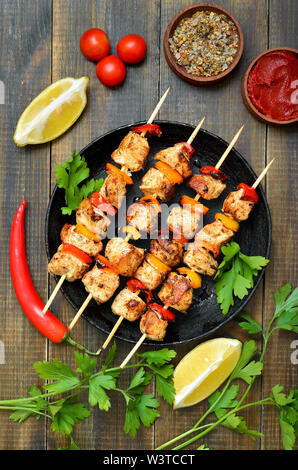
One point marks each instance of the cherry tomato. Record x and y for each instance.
(131, 48)
(111, 70)
(94, 44)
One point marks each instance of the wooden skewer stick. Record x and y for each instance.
(158, 106)
(226, 153)
(113, 331)
(79, 313)
(257, 182)
(194, 133)
(134, 349)
(53, 295)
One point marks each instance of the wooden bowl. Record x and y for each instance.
(247, 101)
(180, 71)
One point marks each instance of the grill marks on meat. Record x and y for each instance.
(177, 158)
(176, 292)
(101, 283)
(93, 218)
(114, 190)
(66, 264)
(206, 186)
(200, 260)
(69, 235)
(143, 217)
(124, 257)
(236, 207)
(128, 305)
(215, 233)
(168, 251)
(132, 152)
(156, 184)
(153, 325)
(184, 221)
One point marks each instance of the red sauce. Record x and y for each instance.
(273, 85)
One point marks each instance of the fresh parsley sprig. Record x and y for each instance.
(69, 176)
(235, 275)
(63, 384)
(226, 403)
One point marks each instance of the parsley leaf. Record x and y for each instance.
(251, 325)
(235, 275)
(159, 357)
(68, 415)
(69, 175)
(143, 409)
(65, 377)
(85, 363)
(97, 395)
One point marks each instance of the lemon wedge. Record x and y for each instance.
(204, 369)
(52, 112)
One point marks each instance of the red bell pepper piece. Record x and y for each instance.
(249, 193)
(164, 312)
(77, 252)
(99, 201)
(151, 129)
(134, 285)
(26, 294)
(214, 172)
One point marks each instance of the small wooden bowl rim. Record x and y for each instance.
(178, 69)
(247, 101)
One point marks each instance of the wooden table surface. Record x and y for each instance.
(39, 45)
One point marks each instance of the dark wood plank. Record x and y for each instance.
(107, 109)
(25, 57)
(282, 197)
(225, 112)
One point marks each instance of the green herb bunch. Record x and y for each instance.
(63, 386)
(226, 404)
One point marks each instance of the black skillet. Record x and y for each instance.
(204, 316)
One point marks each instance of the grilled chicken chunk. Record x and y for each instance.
(101, 283)
(129, 305)
(177, 158)
(215, 233)
(168, 251)
(143, 217)
(206, 186)
(176, 292)
(153, 325)
(184, 222)
(68, 265)
(200, 260)
(93, 218)
(114, 190)
(124, 257)
(149, 276)
(132, 152)
(69, 235)
(156, 184)
(237, 207)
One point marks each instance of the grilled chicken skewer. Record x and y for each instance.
(231, 210)
(114, 187)
(185, 219)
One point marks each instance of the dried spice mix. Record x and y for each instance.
(205, 44)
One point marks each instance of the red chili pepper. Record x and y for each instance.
(214, 172)
(135, 285)
(249, 193)
(26, 294)
(77, 252)
(164, 312)
(151, 129)
(188, 148)
(99, 201)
